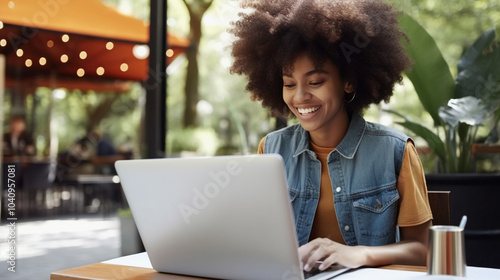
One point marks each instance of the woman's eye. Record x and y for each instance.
(315, 83)
(288, 85)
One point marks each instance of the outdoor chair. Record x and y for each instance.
(440, 207)
(37, 183)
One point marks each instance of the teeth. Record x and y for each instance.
(304, 111)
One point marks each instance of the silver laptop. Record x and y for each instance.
(225, 217)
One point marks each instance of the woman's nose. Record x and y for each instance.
(302, 94)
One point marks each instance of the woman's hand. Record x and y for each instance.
(411, 250)
(331, 252)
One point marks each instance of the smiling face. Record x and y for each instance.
(316, 97)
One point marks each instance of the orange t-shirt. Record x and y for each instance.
(414, 206)
(325, 223)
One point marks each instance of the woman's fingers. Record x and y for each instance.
(317, 251)
(329, 261)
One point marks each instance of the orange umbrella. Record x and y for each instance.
(75, 44)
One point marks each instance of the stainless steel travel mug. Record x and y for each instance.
(446, 254)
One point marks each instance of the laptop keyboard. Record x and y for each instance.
(312, 272)
(315, 271)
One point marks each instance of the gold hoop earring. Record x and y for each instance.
(352, 98)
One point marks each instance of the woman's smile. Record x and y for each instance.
(308, 111)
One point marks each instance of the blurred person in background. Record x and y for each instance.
(18, 142)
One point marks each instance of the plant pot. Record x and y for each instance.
(477, 196)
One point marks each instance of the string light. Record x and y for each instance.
(124, 67)
(143, 51)
(65, 38)
(100, 71)
(83, 54)
(64, 58)
(110, 46)
(11, 4)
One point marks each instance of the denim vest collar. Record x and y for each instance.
(349, 144)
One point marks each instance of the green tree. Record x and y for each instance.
(196, 9)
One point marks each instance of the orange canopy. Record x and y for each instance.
(75, 44)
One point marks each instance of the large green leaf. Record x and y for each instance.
(430, 74)
(435, 143)
(467, 109)
(478, 69)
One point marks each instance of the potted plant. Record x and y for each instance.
(458, 106)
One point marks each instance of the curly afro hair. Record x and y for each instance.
(360, 37)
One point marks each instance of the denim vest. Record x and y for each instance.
(363, 169)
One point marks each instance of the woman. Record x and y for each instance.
(357, 189)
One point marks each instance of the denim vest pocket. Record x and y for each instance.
(375, 215)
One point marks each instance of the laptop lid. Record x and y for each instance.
(225, 217)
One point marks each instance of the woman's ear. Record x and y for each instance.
(349, 87)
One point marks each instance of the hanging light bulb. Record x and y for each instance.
(124, 67)
(80, 72)
(100, 71)
(110, 46)
(65, 38)
(83, 55)
(64, 58)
